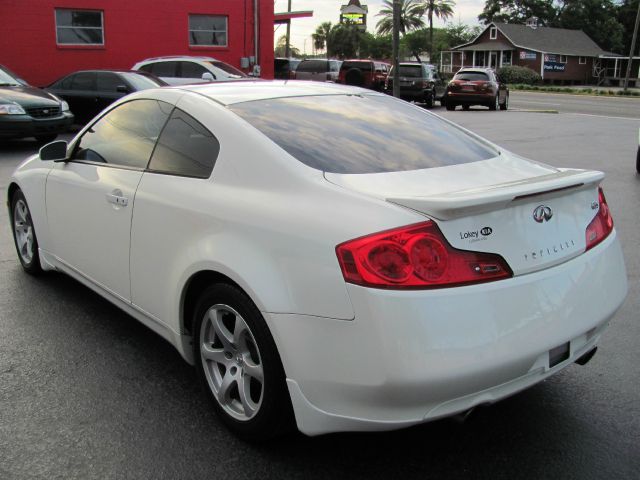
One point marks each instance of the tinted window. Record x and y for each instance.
(471, 76)
(185, 148)
(84, 81)
(140, 82)
(366, 66)
(414, 71)
(361, 134)
(164, 69)
(192, 70)
(108, 82)
(225, 67)
(312, 66)
(63, 83)
(126, 135)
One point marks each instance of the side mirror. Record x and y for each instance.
(56, 151)
(208, 76)
(122, 89)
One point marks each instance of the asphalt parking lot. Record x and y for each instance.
(87, 392)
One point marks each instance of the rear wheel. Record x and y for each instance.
(24, 235)
(495, 104)
(466, 107)
(429, 98)
(450, 106)
(505, 105)
(239, 366)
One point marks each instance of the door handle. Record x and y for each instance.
(117, 198)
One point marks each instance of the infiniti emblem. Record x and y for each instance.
(542, 213)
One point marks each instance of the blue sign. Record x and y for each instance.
(524, 55)
(554, 67)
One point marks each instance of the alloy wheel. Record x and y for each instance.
(231, 361)
(23, 229)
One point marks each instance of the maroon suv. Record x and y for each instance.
(476, 86)
(364, 73)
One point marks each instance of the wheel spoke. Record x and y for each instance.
(253, 370)
(213, 354)
(221, 331)
(224, 392)
(249, 406)
(238, 338)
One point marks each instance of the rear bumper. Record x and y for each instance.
(20, 126)
(410, 357)
(470, 98)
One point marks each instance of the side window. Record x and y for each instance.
(185, 148)
(125, 136)
(192, 70)
(84, 81)
(108, 82)
(164, 69)
(64, 84)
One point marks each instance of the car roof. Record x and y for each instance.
(475, 69)
(229, 93)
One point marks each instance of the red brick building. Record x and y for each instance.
(46, 39)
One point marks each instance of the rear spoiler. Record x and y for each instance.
(495, 197)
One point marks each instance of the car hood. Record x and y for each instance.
(27, 96)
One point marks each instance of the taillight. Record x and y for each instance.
(601, 226)
(417, 257)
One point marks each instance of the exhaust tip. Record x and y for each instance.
(584, 359)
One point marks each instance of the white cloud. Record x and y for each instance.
(466, 11)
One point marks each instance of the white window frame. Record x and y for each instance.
(226, 30)
(562, 59)
(55, 20)
(582, 60)
(493, 33)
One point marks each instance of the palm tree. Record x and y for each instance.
(320, 35)
(442, 9)
(411, 15)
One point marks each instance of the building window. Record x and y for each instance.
(79, 27)
(562, 58)
(208, 30)
(582, 60)
(493, 33)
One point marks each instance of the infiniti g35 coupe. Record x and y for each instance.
(326, 256)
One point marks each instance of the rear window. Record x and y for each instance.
(411, 71)
(361, 134)
(313, 66)
(366, 66)
(472, 76)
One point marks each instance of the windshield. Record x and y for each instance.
(141, 82)
(472, 76)
(229, 70)
(361, 134)
(7, 80)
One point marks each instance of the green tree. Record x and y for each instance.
(518, 11)
(375, 46)
(442, 9)
(411, 15)
(459, 33)
(281, 48)
(597, 18)
(343, 41)
(320, 35)
(627, 16)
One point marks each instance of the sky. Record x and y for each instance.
(466, 11)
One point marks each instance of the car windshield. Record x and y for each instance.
(411, 71)
(359, 65)
(7, 80)
(229, 70)
(141, 82)
(472, 76)
(361, 133)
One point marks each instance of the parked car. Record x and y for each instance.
(181, 70)
(284, 68)
(419, 82)
(88, 92)
(318, 70)
(329, 255)
(476, 86)
(364, 73)
(27, 111)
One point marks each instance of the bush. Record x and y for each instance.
(516, 74)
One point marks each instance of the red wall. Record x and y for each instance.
(133, 30)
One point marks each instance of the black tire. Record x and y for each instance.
(450, 106)
(44, 139)
(274, 415)
(466, 107)
(354, 77)
(493, 106)
(429, 98)
(638, 160)
(27, 253)
(505, 105)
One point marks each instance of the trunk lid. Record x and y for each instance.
(534, 215)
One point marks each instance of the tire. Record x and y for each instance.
(450, 106)
(505, 105)
(429, 98)
(495, 104)
(638, 160)
(44, 139)
(24, 234)
(354, 77)
(231, 353)
(466, 107)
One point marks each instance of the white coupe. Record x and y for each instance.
(326, 255)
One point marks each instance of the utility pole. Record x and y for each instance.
(288, 48)
(633, 49)
(396, 47)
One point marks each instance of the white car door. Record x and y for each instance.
(90, 198)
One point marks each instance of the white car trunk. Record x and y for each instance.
(489, 206)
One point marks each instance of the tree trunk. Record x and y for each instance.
(431, 35)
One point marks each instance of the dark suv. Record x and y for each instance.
(318, 70)
(27, 111)
(364, 73)
(419, 82)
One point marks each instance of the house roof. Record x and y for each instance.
(545, 39)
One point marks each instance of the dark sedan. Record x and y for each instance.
(27, 111)
(476, 86)
(89, 92)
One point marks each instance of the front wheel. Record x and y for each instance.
(24, 235)
(450, 106)
(429, 98)
(239, 366)
(505, 105)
